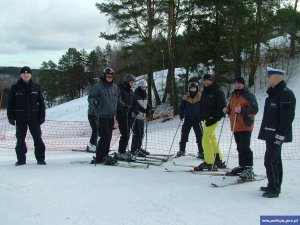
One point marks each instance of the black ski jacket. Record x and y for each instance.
(279, 113)
(26, 102)
(212, 103)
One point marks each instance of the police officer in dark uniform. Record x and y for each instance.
(276, 128)
(26, 109)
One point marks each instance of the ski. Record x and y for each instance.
(205, 172)
(238, 181)
(158, 158)
(152, 163)
(224, 170)
(162, 155)
(124, 165)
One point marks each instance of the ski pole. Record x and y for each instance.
(168, 157)
(218, 144)
(233, 128)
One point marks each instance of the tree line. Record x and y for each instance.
(228, 38)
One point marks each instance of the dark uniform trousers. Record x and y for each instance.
(105, 128)
(273, 164)
(36, 133)
(242, 139)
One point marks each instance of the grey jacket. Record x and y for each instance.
(103, 100)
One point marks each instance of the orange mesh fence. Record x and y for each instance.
(74, 135)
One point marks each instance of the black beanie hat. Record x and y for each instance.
(239, 80)
(207, 77)
(25, 69)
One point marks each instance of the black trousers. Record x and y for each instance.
(185, 131)
(36, 133)
(137, 134)
(273, 165)
(93, 120)
(105, 129)
(125, 124)
(242, 139)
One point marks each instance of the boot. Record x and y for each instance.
(20, 163)
(181, 151)
(140, 153)
(204, 166)
(144, 151)
(220, 164)
(127, 156)
(237, 170)
(247, 174)
(108, 160)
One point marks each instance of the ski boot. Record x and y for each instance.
(127, 156)
(247, 174)
(220, 164)
(144, 151)
(236, 171)
(180, 153)
(108, 160)
(205, 166)
(139, 153)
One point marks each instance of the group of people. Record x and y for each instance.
(202, 111)
(108, 101)
(210, 107)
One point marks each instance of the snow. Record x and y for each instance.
(64, 193)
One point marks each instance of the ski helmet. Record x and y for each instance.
(108, 70)
(128, 78)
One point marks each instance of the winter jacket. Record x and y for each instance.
(104, 99)
(212, 103)
(189, 107)
(141, 98)
(249, 107)
(279, 113)
(128, 99)
(26, 102)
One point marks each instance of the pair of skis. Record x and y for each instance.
(123, 164)
(233, 180)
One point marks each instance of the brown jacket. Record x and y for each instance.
(249, 107)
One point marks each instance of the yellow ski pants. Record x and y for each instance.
(210, 144)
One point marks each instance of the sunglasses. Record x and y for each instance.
(109, 75)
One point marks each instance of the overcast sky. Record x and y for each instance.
(33, 31)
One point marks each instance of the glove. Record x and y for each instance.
(209, 122)
(279, 139)
(181, 116)
(12, 122)
(42, 120)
